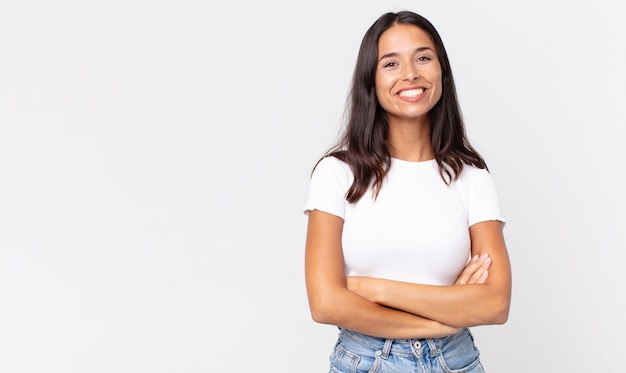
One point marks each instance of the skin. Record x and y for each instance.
(407, 61)
(391, 309)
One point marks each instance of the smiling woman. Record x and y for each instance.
(404, 248)
(408, 75)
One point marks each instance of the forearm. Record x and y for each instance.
(346, 309)
(459, 305)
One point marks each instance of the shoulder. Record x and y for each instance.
(330, 180)
(480, 194)
(330, 165)
(332, 173)
(476, 182)
(472, 175)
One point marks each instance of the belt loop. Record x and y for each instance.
(386, 349)
(434, 348)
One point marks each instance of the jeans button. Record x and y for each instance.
(417, 345)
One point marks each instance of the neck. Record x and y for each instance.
(410, 141)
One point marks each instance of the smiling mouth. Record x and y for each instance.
(411, 93)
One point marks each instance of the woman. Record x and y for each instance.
(404, 248)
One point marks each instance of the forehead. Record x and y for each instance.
(403, 37)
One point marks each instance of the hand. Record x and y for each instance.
(443, 330)
(476, 271)
(363, 286)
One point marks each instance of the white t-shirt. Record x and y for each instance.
(417, 230)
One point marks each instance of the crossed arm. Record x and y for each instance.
(392, 309)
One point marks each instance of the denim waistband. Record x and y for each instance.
(402, 347)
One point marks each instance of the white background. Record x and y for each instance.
(155, 155)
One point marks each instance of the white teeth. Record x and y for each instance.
(412, 92)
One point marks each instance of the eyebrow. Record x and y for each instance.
(394, 54)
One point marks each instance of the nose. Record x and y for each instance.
(411, 73)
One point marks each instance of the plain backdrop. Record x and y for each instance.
(155, 159)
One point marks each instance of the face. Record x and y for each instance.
(408, 74)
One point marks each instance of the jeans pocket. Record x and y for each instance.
(345, 361)
(460, 355)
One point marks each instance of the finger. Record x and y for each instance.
(483, 278)
(477, 276)
(466, 273)
(472, 266)
(486, 260)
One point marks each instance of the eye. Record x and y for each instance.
(390, 64)
(424, 58)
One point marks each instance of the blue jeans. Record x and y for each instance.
(359, 353)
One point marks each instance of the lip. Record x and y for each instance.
(412, 99)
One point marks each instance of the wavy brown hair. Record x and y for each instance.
(363, 145)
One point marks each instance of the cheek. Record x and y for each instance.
(383, 98)
(379, 93)
(439, 93)
(381, 88)
(438, 87)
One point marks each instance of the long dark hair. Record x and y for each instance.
(363, 145)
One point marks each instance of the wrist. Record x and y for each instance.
(378, 291)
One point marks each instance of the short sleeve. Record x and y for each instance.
(483, 201)
(327, 190)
